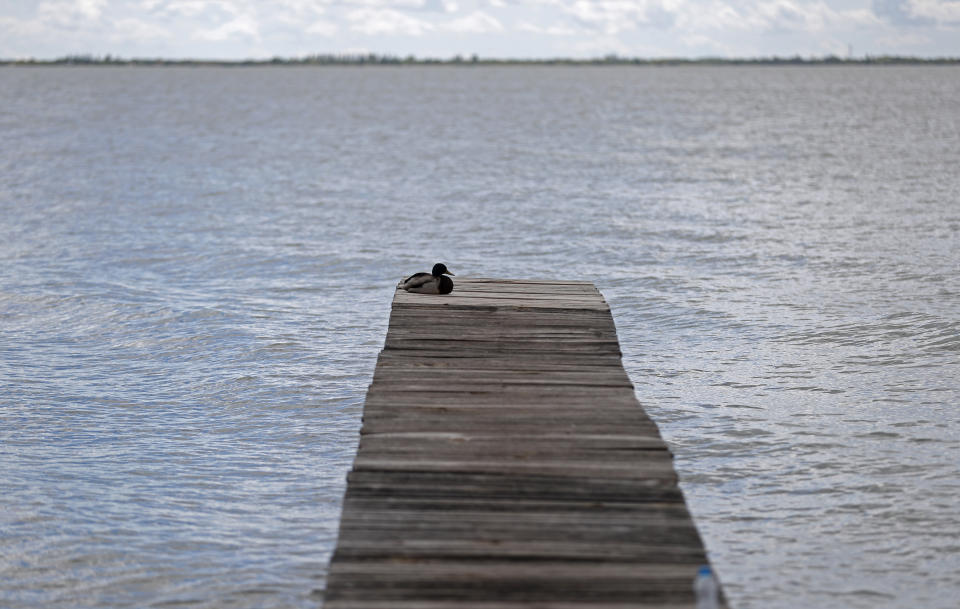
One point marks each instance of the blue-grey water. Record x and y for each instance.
(196, 267)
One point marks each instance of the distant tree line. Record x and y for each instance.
(375, 59)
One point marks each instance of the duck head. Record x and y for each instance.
(440, 269)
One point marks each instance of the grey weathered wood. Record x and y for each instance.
(504, 463)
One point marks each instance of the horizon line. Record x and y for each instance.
(474, 59)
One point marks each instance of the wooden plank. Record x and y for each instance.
(408, 420)
(523, 359)
(565, 297)
(513, 581)
(470, 604)
(568, 362)
(523, 289)
(509, 547)
(449, 375)
(471, 315)
(505, 463)
(613, 511)
(490, 398)
(486, 348)
(512, 486)
(529, 282)
(465, 302)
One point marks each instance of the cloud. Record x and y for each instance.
(77, 14)
(600, 45)
(944, 12)
(608, 16)
(50, 28)
(899, 12)
(12, 27)
(138, 30)
(411, 5)
(615, 16)
(475, 23)
(322, 27)
(776, 16)
(439, 6)
(904, 40)
(551, 30)
(194, 8)
(301, 8)
(919, 13)
(373, 22)
(242, 27)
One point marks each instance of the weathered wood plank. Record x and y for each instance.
(614, 511)
(400, 358)
(449, 376)
(516, 581)
(525, 360)
(470, 604)
(534, 400)
(508, 547)
(612, 519)
(512, 485)
(466, 344)
(571, 318)
(421, 420)
(462, 303)
(504, 463)
(529, 282)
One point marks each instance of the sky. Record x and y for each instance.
(527, 29)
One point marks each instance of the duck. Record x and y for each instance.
(434, 282)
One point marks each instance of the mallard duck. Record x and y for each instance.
(434, 282)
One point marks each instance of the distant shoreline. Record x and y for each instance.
(474, 60)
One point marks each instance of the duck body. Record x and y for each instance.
(434, 282)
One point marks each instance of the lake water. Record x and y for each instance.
(196, 267)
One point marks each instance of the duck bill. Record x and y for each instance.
(449, 273)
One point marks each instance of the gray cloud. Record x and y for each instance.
(898, 12)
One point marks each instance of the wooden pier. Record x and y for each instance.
(505, 463)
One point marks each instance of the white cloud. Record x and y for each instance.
(905, 40)
(919, 13)
(386, 4)
(299, 7)
(195, 8)
(242, 27)
(475, 23)
(138, 30)
(787, 15)
(80, 13)
(947, 12)
(766, 16)
(614, 16)
(322, 27)
(551, 30)
(859, 17)
(20, 27)
(373, 22)
(600, 45)
(711, 15)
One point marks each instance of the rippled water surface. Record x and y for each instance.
(196, 267)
